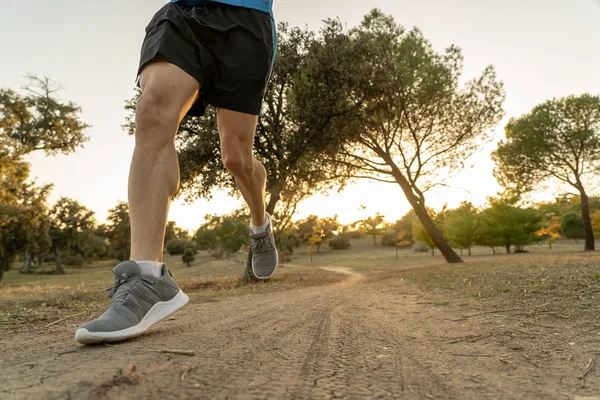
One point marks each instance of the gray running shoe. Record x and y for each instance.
(138, 301)
(264, 253)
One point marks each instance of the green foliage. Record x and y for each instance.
(558, 141)
(38, 120)
(118, 232)
(412, 122)
(461, 226)
(420, 235)
(372, 226)
(173, 232)
(223, 235)
(189, 255)
(70, 225)
(287, 241)
(314, 230)
(403, 227)
(504, 224)
(176, 247)
(340, 242)
(571, 225)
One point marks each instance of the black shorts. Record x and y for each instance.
(229, 50)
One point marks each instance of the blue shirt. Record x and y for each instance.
(262, 5)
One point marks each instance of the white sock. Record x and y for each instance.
(260, 229)
(152, 268)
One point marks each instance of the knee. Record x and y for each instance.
(155, 122)
(240, 165)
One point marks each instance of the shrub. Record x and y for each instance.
(189, 255)
(177, 247)
(341, 242)
(420, 248)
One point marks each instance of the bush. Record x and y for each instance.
(189, 255)
(73, 260)
(287, 241)
(341, 242)
(389, 239)
(177, 247)
(571, 225)
(420, 248)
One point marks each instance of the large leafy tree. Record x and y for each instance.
(36, 120)
(461, 226)
(558, 141)
(22, 210)
(416, 122)
(71, 223)
(315, 231)
(372, 226)
(39, 120)
(118, 231)
(505, 224)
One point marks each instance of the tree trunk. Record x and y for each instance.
(27, 263)
(469, 252)
(587, 221)
(3, 266)
(461, 251)
(433, 251)
(507, 248)
(57, 259)
(419, 208)
(374, 240)
(396, 252)
(493, 250)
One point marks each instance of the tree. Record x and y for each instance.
(118, 231)
(189, 255)
(420, 235)
(558, 141)
(224, 234)
(70, 221)
(572, 226)
(173, 232)
(416, 123)
(461, 226)
(314, 230)
(38, 120)
(551, 229)
(403, 227)
(505, 224)
(372, 226)
(22, 210)
(596, 222)
(291, 152)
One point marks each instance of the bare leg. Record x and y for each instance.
(236, 131)
(167, 93)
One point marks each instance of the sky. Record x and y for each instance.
(541, 49)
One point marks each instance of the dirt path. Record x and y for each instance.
(355, 340)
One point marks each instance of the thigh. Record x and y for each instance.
(236, 131)
(168, 89)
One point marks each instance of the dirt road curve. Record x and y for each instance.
(355, 340)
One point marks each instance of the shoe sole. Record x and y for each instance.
(158, 312)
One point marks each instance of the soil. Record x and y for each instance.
(363, 338)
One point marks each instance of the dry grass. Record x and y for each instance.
(564, 282)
